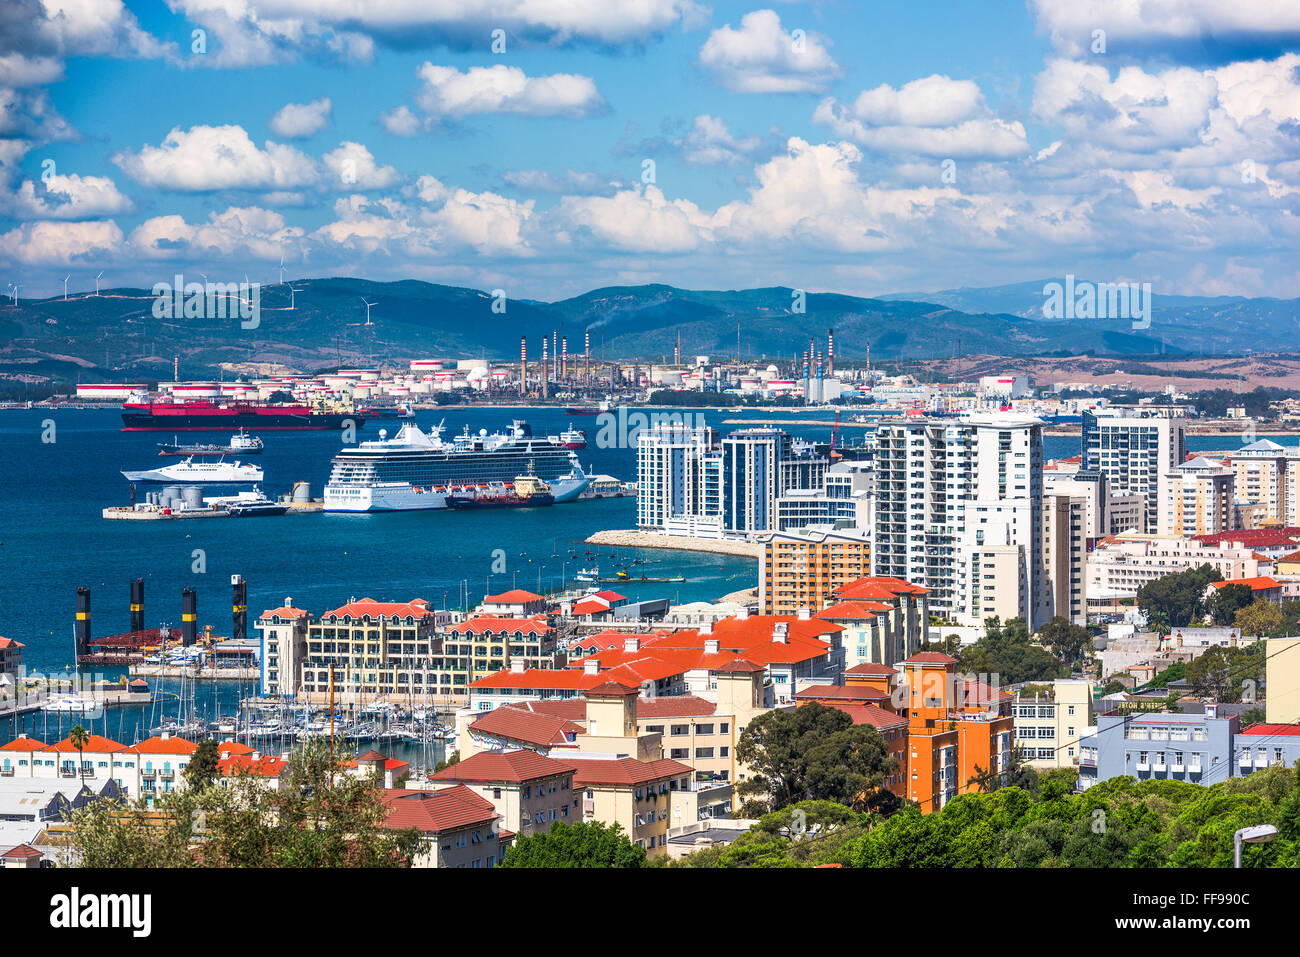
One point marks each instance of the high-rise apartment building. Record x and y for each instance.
(958, 510)
(1065, 555)
(1198, 499)
(679, 478)
(1135, 449)
(759, 466)
(1265, 474)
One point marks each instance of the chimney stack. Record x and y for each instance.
(137, 605)
(82, 630)
(711, 646)
(189, 615)
(239, 608)
(516, 666)
(631, 643)
(780, 632)
(804, 613)
(706, 627)
(591, 667)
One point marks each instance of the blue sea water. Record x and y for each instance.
(53, 538)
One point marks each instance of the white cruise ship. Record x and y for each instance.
(418, 470)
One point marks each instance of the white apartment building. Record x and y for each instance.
(1106, 513)
(1197, 499)
(679, 476)
(1266, 474)
(1118, 567)
(1135, 449)
(1048, 726)
(958, 510)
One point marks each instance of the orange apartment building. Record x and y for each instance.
(803, 568)
(944, 728)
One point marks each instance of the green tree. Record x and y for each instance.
(79, 738)
(319, 817)
(814, 753)
(201, 772)
(1260, 617)
(1007, 651)
(1069, 642)
(1180, 597)
(1226, 602)
(584, 844)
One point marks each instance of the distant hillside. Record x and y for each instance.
(115, 335)
(1200, 324)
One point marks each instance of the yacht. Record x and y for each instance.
(198, 473)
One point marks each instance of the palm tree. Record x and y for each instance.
(79, 738)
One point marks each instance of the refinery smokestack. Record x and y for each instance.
(82, 630)
(586, 356)
(523, 365)
(189, 615)
(830, 353)
(545, 370)
(564, 358)
(239, 608)
(137, 605)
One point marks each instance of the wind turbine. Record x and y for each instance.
(291, 292)
(368, 305)
(16, 288)
(97, 283)
(282, 269)
(65, 286)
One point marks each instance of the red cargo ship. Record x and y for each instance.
(196, 415)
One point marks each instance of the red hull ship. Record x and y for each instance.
(201, 415)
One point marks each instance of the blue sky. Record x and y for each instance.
(855, 147)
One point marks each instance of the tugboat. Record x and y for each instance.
(570, 438)
(528, 491)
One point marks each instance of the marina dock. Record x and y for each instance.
(148, 513)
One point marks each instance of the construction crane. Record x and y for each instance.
(835, 434)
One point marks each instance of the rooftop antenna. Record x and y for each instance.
(65, 286)
(97, 282)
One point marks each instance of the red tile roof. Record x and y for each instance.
(516, 596)
(159, 745)
(1263, 727)
(286, 612)
(228, 748)
(514, 767)
(845, 692)
(871, 668)
(515, 723)
(571, 709)
(871, 714)
(878, 587)
(614, 688)
(433, 812)
(267, 766)
(1255, 537)
(23, 852)
(23, 744)
(626, 772)
(10, 643)
(677, 706)
(95, 744)
(415, 608)
(1262, 583)
(590, 606)
(854, 610)
(930, 657)
(491, 623)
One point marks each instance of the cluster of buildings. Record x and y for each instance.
(968, 508)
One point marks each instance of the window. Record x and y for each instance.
(681, 729)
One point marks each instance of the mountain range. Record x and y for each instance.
(115, 335)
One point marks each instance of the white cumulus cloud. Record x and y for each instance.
(504, 89)
(300, 120)
(760, 56)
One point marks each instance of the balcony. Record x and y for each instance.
(148, 774)
(6, 772)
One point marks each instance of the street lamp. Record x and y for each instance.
(1259, 834)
